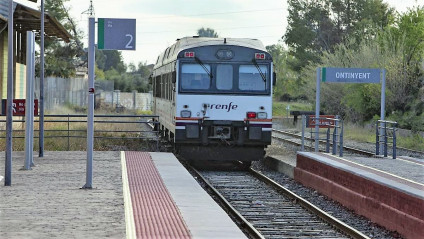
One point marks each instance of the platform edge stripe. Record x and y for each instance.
(129, 217)
(378, 170)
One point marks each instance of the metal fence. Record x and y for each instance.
(106, 127)
(384, 132)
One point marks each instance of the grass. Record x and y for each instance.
(367, 135)
(279, 109)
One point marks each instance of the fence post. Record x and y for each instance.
(385, 139)
(327, 145)
(302, 148)
(377, 140)
(394, 140)
(334, 150)
(341, 140)
(68, 132)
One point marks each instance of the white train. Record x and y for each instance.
(213, 97)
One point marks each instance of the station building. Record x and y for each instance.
(24, 19)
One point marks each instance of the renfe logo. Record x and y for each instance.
(228, 107)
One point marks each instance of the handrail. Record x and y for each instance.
(381, 136)
(328, 123)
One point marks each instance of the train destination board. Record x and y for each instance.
(350, 75)
(116, 34)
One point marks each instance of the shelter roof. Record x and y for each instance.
(29, 19)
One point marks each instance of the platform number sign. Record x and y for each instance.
(116, 34)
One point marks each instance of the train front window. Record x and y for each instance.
(194, 77)
(252, 78)
(224, 77)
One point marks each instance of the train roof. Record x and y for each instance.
(192, 42)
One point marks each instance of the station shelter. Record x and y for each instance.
(24, 19)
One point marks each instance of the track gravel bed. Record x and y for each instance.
(273, 214)
(334, 208)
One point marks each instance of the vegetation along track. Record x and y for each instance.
(295, 139)
(268, 210)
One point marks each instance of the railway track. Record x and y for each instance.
(295, 139)
(267, 210)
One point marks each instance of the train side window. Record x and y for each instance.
(250, 79)
(224, 77)
(157, 86)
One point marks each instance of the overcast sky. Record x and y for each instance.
(161, 22)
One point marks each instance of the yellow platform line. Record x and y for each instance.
(129, 216)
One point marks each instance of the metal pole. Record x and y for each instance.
(385, 139)
(317, 105)
(9, 106)
(377, 140)
(334, 150)
(29, 107)
(90, 116)
(394, 140)
(336, 126)
(383, 106)
(41, 116)
(302, 148)
(68, 132)
(341, 141)
(327, 145)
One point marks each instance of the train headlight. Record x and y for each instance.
(262, 115)
(185, 113)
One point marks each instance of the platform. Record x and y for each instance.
(48, 202)
(168, 203)
(388, 191)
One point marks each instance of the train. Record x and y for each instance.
(213, 97)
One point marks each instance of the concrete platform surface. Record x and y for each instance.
(47, 202)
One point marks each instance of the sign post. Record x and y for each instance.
(90, 116)
(113, 34)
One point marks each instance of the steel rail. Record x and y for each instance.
(243, 222)
(348, 230)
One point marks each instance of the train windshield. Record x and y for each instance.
(195, 77)
(252, 78)
(227, 78)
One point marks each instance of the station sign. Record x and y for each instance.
(324, 121)
(350, 75)
(116, 34)
(18, 107)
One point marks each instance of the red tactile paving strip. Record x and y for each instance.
(155, 213)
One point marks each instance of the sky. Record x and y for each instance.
(160, 22)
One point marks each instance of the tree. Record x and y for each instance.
(108, 59)
(61, 59)
(208, 32)
(288, 85)
(318, 26)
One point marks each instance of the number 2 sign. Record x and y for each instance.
(116, 34)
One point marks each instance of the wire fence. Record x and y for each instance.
(111, 132)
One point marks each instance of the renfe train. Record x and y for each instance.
(213, 97)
